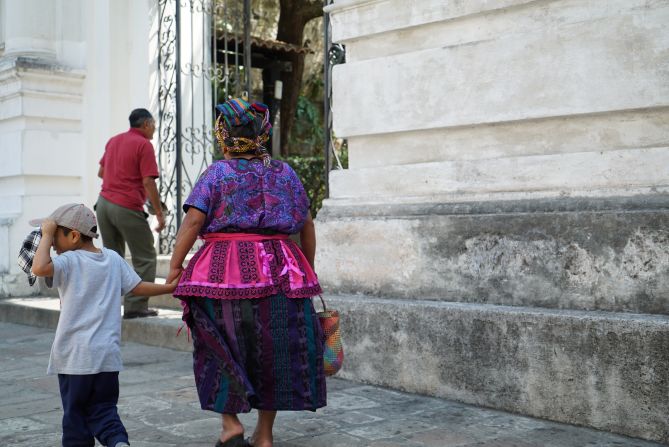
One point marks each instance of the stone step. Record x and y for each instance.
(604, 370)
(154, 331)
(166, 301)
(600, 369)
(577, 253)
(162, 264)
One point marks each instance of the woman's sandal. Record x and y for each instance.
(235, 441)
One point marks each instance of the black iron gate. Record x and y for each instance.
(204, 57)
(200, 63)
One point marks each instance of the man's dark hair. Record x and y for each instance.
(138, 116)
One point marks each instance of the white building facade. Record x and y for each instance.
(70, 72)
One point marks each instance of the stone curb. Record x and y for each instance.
(158, 331)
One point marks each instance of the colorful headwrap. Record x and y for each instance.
(235, 113)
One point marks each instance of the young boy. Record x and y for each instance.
(86, 349)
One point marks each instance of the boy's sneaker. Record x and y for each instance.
(122, 444)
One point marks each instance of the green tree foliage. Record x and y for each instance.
(310, 170)
(298, 22)
(307, 136)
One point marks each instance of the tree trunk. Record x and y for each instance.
(293, 17)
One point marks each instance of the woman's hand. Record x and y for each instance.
(173, 278)
(174, 275)
(186, 237)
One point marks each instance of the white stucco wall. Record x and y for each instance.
(117, 76)
(512, 96)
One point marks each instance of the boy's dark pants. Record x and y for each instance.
(89, 404)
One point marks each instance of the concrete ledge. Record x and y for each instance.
(165, 302)
(163, 264)
(158, 331)
(474, 82)
(604, 370)
(366, 17)
(580, 133)
(619, 169)
(588, 254)
(38, 312)
(650, 201)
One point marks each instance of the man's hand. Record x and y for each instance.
(49, 227)
(161, 223)
(152, 193)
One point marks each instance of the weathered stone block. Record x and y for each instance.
(621, 170)
(563, 135)
(602, 254)
(605, 370)
(587, 63)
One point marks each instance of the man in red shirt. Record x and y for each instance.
(128, 171)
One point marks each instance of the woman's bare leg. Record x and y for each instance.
(262, 435)
(231, 427)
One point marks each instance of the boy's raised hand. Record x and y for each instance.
(42, 265)
(49, 227)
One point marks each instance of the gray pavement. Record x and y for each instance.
(159, 407)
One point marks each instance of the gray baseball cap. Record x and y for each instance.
(75, 216)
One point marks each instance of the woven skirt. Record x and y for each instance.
(264, 353)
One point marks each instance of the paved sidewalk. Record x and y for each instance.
(159, 407)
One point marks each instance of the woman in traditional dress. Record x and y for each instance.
(247, 291)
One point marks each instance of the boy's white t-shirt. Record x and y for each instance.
(88, 336)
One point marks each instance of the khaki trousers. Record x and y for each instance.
(120, 226)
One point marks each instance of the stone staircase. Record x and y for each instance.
(553, 309)
(604, 369)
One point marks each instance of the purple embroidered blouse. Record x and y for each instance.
(244, 195)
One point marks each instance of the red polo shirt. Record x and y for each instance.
(128, 158)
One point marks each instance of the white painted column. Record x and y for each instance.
(71, 71)
(30, 28)
(40, 123)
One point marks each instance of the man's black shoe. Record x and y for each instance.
(140, 314)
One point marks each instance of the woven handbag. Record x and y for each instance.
(333, 352)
